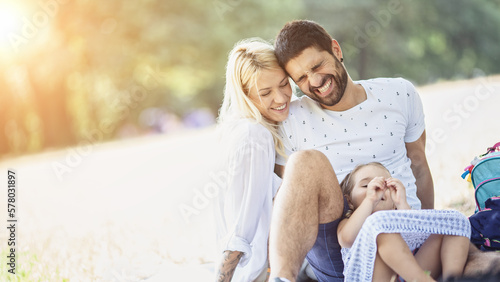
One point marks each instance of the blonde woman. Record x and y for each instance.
(256, 100)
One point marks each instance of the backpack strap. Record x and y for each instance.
(467, 171)
(492, 149)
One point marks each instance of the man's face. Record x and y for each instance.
(319, 75)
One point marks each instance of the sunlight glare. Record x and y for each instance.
(10, 22)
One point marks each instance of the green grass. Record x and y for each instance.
(28, 268)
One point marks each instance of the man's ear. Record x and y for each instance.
(337, 51)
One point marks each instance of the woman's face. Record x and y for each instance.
(272, 95)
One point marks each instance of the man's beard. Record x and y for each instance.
(339, 83)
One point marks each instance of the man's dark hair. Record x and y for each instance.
(298, 35)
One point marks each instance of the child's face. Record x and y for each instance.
(361, 179)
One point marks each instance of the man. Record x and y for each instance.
(346, 123)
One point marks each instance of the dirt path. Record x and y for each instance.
(112, 211)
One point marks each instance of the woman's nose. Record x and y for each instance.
(281, 97)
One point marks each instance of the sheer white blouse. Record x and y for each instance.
(244, 206)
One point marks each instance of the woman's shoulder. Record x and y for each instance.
(245, 130)
(241, 137)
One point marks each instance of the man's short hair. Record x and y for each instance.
(298, 35)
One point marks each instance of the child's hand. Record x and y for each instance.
(376, 190)
(398, 193)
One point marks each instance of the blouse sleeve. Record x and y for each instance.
(250, 186)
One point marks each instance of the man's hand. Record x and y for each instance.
(398, 193)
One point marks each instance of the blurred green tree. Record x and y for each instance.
(90, 68)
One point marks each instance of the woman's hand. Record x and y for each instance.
(398, 193)
(228, 265)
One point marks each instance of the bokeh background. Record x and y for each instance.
(107, 113)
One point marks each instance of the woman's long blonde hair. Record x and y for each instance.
(247, 60)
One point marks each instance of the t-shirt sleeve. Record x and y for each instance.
(415, 123)
(285, 131)
(250, 185)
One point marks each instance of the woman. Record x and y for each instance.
(256, 99)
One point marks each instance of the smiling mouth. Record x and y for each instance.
(280, 108)
(322, 91)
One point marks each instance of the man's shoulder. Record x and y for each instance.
(384, 86)
(380, 81)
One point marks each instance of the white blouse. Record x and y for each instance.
(243, 211)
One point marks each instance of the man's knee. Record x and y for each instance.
(308, 160)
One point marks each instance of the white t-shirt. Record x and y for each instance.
(243, 211)
(375, 130)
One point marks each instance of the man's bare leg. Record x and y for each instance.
(309, 195)
(479, 262)
(454, 251)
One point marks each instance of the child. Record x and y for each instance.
(370, 188)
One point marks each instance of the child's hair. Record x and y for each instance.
(348, 183)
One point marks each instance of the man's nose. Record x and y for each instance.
(315, 79)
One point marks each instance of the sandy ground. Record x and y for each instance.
(112, 212)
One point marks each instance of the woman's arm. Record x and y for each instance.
(279, 170)
(246, 203)
(348, 228)
(228, 265)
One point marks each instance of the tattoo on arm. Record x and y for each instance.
(228, 265)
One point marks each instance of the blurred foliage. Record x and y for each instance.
(81, 70)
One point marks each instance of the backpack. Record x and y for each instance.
(485, 226)
(484, 173)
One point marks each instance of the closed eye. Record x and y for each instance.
(300, 79)
(317, 66)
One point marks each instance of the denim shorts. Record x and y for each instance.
(325, 257)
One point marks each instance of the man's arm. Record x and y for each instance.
(420, 167)
(228, 265)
